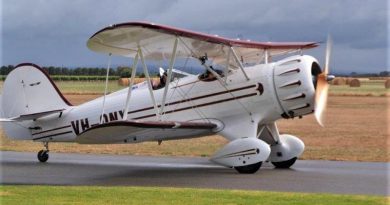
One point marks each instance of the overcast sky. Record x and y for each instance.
(54, 32)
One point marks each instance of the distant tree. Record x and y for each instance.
(57, 71)
(7, 69)
(3, 70)
(64, 71)
(95, 71)
(111, 72)
(84, 71)
(384, 73)
(77, 71)
(51, 70)
(102, 71)
(123, 72)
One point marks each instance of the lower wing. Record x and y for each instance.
(133, 131)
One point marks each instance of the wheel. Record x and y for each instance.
(248, 169)
(284, 164)
(43, 156)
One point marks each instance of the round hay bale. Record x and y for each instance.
(338, 81)
(123, 82)
(139, 80)
(348, 80)
(354, 83)
(126, 81)
(387, 83)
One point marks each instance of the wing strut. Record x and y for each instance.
(226, 71)
(133, 73)
(239, 62)
(105, 89)
(146, 72)
(171, 63)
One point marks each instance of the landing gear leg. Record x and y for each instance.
(43, 155)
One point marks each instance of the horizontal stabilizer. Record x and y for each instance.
(6, 120)
(31, 116)
(133, 131)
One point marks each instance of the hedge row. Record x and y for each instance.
(82, 78)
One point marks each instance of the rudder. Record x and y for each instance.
(27, 90)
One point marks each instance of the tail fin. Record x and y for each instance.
(29, 92)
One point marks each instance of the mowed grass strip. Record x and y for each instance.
(87, 87)
(146, 195)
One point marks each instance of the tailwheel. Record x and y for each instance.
(285, 164)
(43, 155)
(249, 169)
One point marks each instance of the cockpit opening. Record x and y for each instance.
(209, 76)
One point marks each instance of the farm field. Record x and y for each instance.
(368, 88)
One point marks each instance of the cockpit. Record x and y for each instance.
(209, 76)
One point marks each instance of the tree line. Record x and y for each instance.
(120, 71)
(380, 74)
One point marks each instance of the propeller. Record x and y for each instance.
(321, 95)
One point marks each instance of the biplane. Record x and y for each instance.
(240, 96)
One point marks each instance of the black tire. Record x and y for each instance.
(284, 164)
(248, 169)
(43, 156)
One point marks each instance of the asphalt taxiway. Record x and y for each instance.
(114, 170)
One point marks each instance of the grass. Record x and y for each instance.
(199, 147)
(53, 195)
(83, 87)
(90, 87)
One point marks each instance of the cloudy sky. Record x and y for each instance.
(54, 32)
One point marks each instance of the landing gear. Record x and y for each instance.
(43, 155)
(285, 164)
(248, 169)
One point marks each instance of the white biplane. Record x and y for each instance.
(240, 96)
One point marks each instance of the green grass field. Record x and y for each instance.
(53, 195)
(83, 87)
(91, 87)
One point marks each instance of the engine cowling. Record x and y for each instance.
(294, 81)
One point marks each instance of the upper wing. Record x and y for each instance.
(133, 131)
(157, 43)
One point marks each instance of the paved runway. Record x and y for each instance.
(82, 169)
